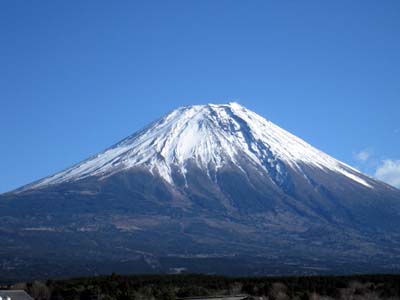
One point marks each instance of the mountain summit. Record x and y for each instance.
(209, 137)
(207, 188)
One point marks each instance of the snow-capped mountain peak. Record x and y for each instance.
(206, 182)
(210, 136)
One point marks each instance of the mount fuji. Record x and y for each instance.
(206, 188)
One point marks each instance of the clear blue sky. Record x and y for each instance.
(77, 76)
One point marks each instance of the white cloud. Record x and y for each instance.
(362, 155)
(389, 171)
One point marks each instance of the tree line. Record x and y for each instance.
(173, 287)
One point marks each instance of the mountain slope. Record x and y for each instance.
(211, 136)
(205, 182)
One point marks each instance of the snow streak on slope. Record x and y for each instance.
(210, 136)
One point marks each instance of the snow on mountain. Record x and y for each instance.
(210, 136)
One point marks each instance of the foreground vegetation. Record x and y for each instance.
(169, 287)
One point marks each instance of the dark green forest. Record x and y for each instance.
(169, 287)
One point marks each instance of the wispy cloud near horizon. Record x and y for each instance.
(389, 171)
(363, 155)
(384, 169)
